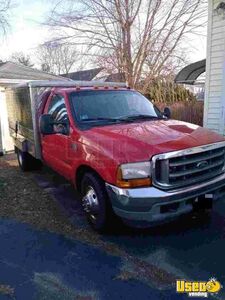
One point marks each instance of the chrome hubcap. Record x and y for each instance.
(90, 203)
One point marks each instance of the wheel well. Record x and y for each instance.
(80, 174)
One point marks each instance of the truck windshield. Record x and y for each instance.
(117, 106)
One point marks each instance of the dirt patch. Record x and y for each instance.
(50, 287)
(134, 268)
(22, 199)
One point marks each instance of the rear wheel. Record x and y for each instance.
(26, 161)
(96, 204)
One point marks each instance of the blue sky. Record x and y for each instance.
(27, 33)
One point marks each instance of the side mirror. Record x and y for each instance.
(46, 124)
(167, 112)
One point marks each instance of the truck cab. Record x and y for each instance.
(126, 158)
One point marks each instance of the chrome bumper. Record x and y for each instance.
(146, 204)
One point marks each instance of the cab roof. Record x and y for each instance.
(71, 84)
(88, 88)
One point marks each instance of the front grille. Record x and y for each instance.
(190, 166)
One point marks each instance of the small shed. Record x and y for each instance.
(10, 74)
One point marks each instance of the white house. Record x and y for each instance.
(214, 113)
(12, 73)
(214, 65)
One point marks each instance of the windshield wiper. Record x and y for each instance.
(121, 119)
(99, 119)
(139, 117)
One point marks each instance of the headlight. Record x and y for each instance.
(136, 170)
(134, 174)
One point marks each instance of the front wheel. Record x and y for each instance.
(96, 204)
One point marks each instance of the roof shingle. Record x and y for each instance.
(86, 75)
(11, 70)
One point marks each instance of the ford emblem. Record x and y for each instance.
(202, 164)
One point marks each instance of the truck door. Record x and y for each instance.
(55, 146)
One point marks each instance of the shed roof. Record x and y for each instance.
(12, 72)
(96, 74)
(116, 77)
(190, 73)
(86, 75)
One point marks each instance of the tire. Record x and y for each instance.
(27, 162)
(96, 203)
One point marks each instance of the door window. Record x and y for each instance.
(57, 109)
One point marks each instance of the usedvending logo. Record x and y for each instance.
(200, 289)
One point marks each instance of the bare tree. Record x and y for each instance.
(135, 37)
(5, 6)
(21, 58)
(57, 58)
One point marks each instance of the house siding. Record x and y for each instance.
(6, 143)
(215, 74)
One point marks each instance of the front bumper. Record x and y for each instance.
(152, 204)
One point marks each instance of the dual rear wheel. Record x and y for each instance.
(26, 161)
